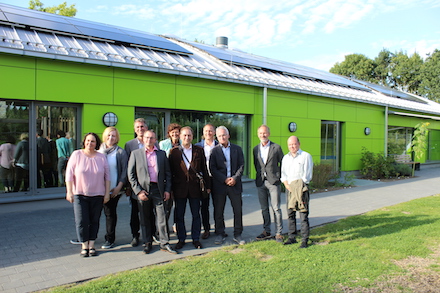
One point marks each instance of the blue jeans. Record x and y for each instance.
(270, 196)
(196, 226)
(87, 211)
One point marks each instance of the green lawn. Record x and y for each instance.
(352, 255)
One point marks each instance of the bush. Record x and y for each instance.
(322, 173)
(375, 166)
(402, 170)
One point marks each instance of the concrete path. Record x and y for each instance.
(35, 252)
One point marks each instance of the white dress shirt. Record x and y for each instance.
(298, 167)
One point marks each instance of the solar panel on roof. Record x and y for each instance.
(237, 57)
(87, 28)
(391, 92)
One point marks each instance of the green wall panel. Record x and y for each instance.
(73, 67)
(74, 87)
(141, 93)
(320, 108)
(17, 83)
(17, 61)
(144, 75)
(288, 107)
(367, 114)
(345, 113)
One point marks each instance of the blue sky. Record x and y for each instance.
(315, 33)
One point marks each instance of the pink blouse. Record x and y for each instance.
(87, 174)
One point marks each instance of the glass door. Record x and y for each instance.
(330, 132)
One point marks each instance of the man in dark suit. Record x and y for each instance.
(140, 126)
(267, 162)
(207, 143)
(226, 165)
(187, 162)
(150, 179)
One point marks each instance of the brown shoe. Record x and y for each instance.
(279, 238)
(206, 234)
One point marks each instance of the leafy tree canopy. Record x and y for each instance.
(61, 9)
(397, 70)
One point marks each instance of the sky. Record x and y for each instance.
(314, 33)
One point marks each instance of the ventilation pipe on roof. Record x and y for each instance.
(221, 42)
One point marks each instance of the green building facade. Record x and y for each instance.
(334, 119)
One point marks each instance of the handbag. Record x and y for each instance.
(199, 175)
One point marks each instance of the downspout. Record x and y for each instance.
(386, 131)
(265, 105)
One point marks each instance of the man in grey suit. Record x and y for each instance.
(267, 161)
(226, 165)
(140, 126)
(150, 179)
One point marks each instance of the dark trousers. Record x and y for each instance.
(62, 164)
(111, 217)
(134, 217)
(21, 175)
(305, 229)
(219, 201)
(87, 211)
(196, 226)
(155, 201)
(204, 210)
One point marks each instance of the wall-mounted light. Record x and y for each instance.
(367, 130)
(292, 126)
(110, 119)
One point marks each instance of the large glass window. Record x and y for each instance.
(399, 140)
(28, 153)
(14, 146)
(237, 125)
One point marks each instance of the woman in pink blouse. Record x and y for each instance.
(88, 188)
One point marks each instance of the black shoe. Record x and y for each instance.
(290, 241)
(135, 241)
(197, 244)
(107, 245)
(92, 252)
(206, 234)
(180, 245)
(304, 244)
(167, 248)
(148, 247)
(84, 253)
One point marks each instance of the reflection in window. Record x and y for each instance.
(399, 140)
(14, 146)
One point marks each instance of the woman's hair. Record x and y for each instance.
(24, 136)
(98, 140)
(171, 127)
(107, 131)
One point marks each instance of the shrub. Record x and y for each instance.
(402, 170)
(322, 173)
(375, 166)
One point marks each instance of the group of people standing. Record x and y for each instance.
(157, 176)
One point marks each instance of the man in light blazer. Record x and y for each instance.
(150, 179)
(226, 165)
(267, 161)
(140, 126)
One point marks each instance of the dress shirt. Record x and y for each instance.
(188, 154)
(264, 151)
(208, 148)
(298, 167)
(152, 164)
(227, 154)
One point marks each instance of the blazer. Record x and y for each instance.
(185, 182)
(121, 165)
(139, 177)
(217, 166)
(131, 145)
(272, 168)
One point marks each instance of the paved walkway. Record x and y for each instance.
(35, 252)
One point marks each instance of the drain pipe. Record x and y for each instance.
(386, 131)
(265, 105)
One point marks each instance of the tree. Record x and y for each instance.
(355, 66)
(61, 9)
(396, 70)
(430, 76)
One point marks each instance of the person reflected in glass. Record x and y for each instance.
(117, 160)
(64, 149)
(7, 150)
(88, 188)
(21, 163)
(43, 160)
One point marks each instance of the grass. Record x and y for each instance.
(358, 253)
